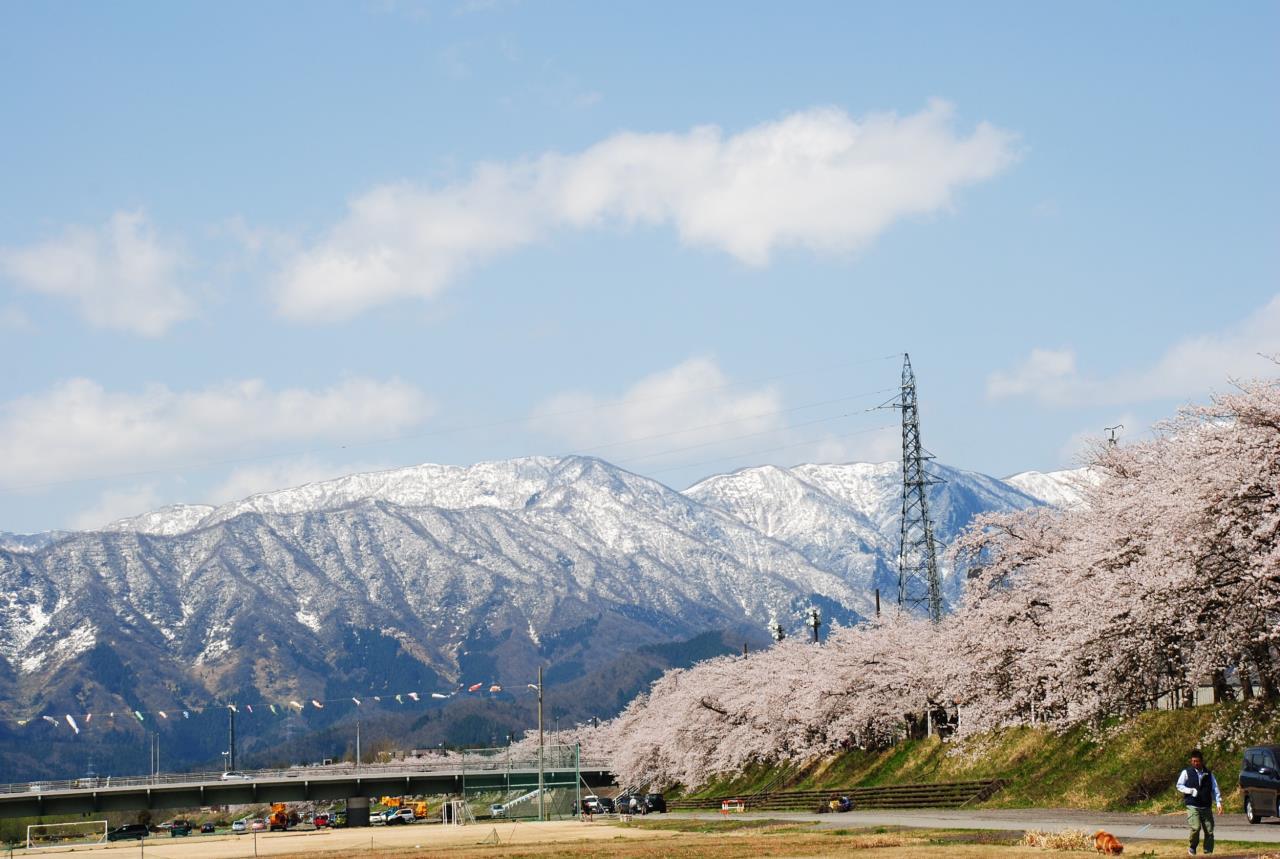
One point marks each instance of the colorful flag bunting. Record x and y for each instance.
(317, 704)
(399, 700)
(438, 695)
(413, 695)
(475, 687)
(51, 720)
(139, 715)
(249, 707)
(495, 688)
(357, 700)
(72, 722)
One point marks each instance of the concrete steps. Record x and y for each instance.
(942, 795)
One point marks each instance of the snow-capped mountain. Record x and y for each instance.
(1065, 489)
(846, 519)
(428, 576)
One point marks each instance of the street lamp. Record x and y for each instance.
(226, 761)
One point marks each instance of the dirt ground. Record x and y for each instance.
(674, 839)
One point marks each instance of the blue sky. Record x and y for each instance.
(246, 245)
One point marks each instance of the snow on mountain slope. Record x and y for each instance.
(846, 518)
(557, 560)
(430, 574)
(504, 484)
(1065, 489)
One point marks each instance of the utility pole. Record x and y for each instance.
(231, 737)
(815, 621)
(541, 776)
(919, 583)
(357, 744)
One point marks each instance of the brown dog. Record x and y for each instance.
(1106, 843)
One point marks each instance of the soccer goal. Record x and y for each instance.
(66, 834)
(457, 812)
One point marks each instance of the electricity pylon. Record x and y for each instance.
(919, 584)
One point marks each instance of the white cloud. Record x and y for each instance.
(818, 180)
(114, 505)
(1190, 368)
(120, 275)
(77, 429)
(254, 479)
(690, 404)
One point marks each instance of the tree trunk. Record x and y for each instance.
(1222, 691)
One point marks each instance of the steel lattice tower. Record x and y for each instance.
(919, 584)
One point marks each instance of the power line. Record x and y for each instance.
(719, 441)
(734, 421)
(772, 449)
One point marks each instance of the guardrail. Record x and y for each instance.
(455, 764)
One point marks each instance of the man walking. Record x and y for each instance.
(1200, 792)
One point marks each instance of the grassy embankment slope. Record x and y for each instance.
(1126, 766)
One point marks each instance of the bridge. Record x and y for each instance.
(355, 785)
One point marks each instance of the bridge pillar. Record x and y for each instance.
(358, 811)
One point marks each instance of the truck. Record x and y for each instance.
(279, 819)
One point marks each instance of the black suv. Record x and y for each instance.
(1260, 782)
(655, 802)
(128, 831)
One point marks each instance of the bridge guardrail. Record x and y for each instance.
(43, 786)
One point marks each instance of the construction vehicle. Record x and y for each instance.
(419, 806)
(279, 819)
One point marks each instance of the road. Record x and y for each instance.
(1230, 827)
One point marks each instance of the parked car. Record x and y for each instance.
(258, 824)
(321, 820)
(232, 775)
(128, 832)
(591, 804)
(206, 828)
(179, 827)
(497, 810)
(1260, 782)
(403, 814)
(241, 825)
(338, 820)
(655, 802)
(606, 804)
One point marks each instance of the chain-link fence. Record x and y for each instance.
(499, 784)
